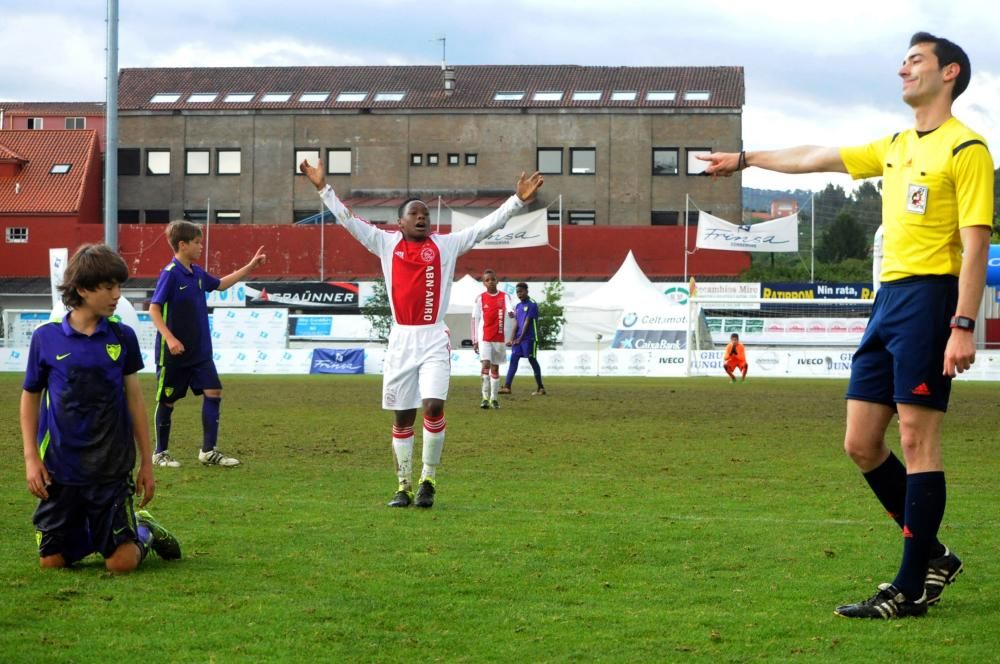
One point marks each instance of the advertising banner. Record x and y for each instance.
(234, 360)
(652, 329)
(14, 359)
(777, 235)
(340, 295)
(234, 296)
(667, 363)
(287, 361)
(338, 361)
(524, 230)
(787, 290)
(249, 328)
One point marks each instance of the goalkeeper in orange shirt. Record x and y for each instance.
(735, 358)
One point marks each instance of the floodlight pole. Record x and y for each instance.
(111, 129)
(687, 197)
(560, 240)
(812, 248)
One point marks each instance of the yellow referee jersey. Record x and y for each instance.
(932, 185)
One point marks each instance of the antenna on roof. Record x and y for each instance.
(444, 45)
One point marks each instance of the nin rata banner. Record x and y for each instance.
(339, 295)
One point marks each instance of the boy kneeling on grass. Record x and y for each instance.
(82, 416)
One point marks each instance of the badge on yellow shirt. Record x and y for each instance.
(916, 199)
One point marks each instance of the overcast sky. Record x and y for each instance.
(821, 73)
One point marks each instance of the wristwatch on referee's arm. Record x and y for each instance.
(963, 323)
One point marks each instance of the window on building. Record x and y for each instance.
(665, 161)
(202, 97)
(227, 217)
(508, 96)
(128, 216)
(128, 161)
(299, 215)
(697, 95)
(552, 216)
(312, 156)
(587, 95)
(661, 95)
(314, 96)
(16, 234)
(471, 158)
(196, 216)
(583, 161)
(664, 218)
(349, 97)
(693, 216)
(275, 97)
(623, 95)
(550, 161)
(164, 98)
(454, 159)
(76, 123)
(157, 216)
(34, 123)
(582, 217)
(696, 166)
(157, 162)
(60, 169)
(228, 161)
(416, 159)
(547, 95)
(338, 161)
(197, 162)
(389, 96)
(433, 159)
(238, 97)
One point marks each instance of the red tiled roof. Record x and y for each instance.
(42, 192)
(475, 86)
(52, 107)
(6, 154)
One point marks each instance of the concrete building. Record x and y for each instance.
(618, 144)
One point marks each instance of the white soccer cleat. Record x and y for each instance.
(216, 458)
(165, 460)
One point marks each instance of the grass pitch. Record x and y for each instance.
(612, 520)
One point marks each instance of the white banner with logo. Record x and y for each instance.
(777, 235)
(249, 328)
(524, 230)
(234, 296)
(661, 328)
(283, 361)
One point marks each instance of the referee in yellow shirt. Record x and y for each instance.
(937, 214)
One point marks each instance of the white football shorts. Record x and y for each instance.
(417, 366)
(494, 351)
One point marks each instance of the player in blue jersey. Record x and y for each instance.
(184, 342)
(82, 416)
(525, 341)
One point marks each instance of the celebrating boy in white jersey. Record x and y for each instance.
(418, 267)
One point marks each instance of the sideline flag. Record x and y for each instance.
(777, 235)
(524, 230)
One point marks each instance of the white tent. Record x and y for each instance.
(598, 311)
(458, 317)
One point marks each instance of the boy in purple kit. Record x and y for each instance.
(184, 342)
(82, 416)
(525, 342)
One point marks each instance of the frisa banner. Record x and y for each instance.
(524, 230)
(775, 236)
(338, 361)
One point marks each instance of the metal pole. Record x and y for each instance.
(686, 199)
(111, 129)
(560, 239)
(812, 248)
(322, 242)
(438, 229)
(208, 231)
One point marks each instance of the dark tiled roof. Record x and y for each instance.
(475, 86)
(40, 191)
(52, 107)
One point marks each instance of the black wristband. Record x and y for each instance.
(741, 163)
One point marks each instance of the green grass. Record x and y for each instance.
(612, 520)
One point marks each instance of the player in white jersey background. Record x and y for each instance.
(418, 267)
(492, 315)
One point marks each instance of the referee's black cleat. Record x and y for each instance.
(403, 498)
(940, 572)
(887, 603)
(425, 493)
